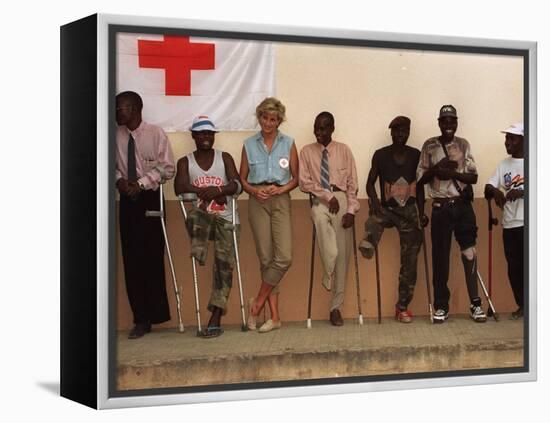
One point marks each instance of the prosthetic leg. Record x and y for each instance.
(473, 276)
(160, 213)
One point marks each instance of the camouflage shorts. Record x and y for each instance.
(202, 228)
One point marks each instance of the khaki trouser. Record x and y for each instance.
(334, 246)
(271, 226)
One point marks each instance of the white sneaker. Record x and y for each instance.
(269, 325)
(477, 314)
(440, 315)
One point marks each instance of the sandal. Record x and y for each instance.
(211, 332)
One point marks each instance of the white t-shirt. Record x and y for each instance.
(508, 176)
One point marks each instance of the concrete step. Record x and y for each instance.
(165, 358)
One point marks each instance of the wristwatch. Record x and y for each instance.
(141, 186)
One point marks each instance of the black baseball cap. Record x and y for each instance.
(447, 110)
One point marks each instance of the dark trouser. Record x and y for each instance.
(513, 250)
(457, 217)
(143, 256)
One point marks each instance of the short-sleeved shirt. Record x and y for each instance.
(397, 182)
(432, 152)
(265, 166)
(508, 176)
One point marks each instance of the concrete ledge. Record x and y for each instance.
(168, 359)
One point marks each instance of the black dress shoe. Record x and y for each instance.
(518, 314)
(336, 318)
(139, 330)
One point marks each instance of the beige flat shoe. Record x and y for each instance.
(251, 322)
(269, 325)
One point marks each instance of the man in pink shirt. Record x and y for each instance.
(144, 159)
(328, 172)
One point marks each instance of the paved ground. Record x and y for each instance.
(167, 358)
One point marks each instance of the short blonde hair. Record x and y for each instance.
(271, 105)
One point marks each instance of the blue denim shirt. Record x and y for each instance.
(264, 166)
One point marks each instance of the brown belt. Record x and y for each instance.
(336, 189)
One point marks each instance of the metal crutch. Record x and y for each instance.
(357, 275)
(488, 297)
(378, 295)
(377, 264)
(426, 268)
(183, 198)
(311, 269)
(160, 213)
(244, 326)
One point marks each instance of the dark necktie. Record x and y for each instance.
(325, 179)
(132, 171)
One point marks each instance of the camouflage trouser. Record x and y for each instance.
(405, 219)
(203, 227)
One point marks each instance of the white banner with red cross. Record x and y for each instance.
(180, 77)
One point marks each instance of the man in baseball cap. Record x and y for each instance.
(506, 187)
(213, 176)
(447, 110)
(448, 168)
(202, 123)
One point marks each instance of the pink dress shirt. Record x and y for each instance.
(154, 157)
(342, 172)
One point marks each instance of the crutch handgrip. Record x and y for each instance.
(154, 213)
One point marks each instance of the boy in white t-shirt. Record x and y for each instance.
(506, 188)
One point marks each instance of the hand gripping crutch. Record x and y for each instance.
(357, 275)
(160, 213)
(182, 199)
(427, 269)
(244, 326)
(493, 221)
(488, 297)
(311, 269)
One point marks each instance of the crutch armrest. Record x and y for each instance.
(188, 197)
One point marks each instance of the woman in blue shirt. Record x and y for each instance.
(269, 171)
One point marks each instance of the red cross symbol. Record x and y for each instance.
(177, 56)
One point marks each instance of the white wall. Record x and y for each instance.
(365, 88)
